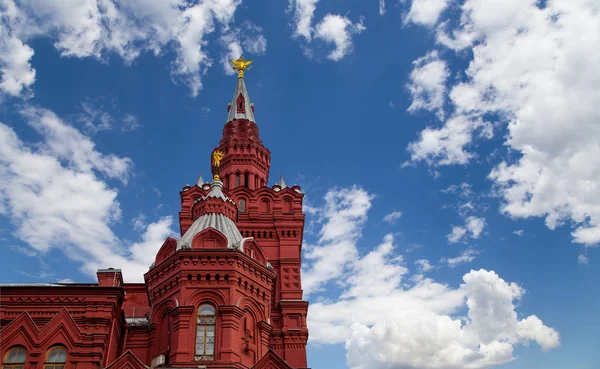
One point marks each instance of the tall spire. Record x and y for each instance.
(240, 106)
(243, 159)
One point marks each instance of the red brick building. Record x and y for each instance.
(227, 294)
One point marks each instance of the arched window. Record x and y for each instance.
(287, 206)
(265, 206)
(205, 333)
(246, 183)
(15, 358)
(56, 358)
(237, 180)
(242, 206)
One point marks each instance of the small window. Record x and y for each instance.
(205, 332)
(241, 108)
(15, 358)
(265, 207)
(242, 207)
(246, 183)
(287, 206)
(56, 358)
(237, 180)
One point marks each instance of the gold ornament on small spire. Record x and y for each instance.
(241, 65)
(217, 156)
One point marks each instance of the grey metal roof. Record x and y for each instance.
(218, 221)
(248, 113)
(282, 182)
(216, 192)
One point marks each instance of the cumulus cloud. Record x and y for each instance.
(392, 217)
(534, 69)
(387, 322)
(55, 194)
(332, 29)
(473, 228)
(427, 84)
(98, 28)
(519, 232)
(448, 145)
(344, 214)
(338, 30)
(582, 259)
(381, 7)
(426, 12)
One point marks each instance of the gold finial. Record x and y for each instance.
(241, 65)
(217, 156)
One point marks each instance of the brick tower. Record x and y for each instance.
(227, 294)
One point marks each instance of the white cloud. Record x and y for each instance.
(67, 143)
(17, 73)
(55, 196)
(466, 256)
(97, 28)
(582, 259)
(392, 217)
(333, 28)
(344, 213)
(535, 68)
(448, 145)
(303, 15)
(130, 123)
(338, 30)
(423, 265)
(385, 322)
(381, 7)
(457, 234)
(247, 37)
(426, 12)
(427, 84)
(102, 114)
(473, 228)
(519, 232)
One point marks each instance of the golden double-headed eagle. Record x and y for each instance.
(241, 65)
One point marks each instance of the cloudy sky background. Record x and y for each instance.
(449, 151)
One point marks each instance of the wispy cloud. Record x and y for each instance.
(392, 217)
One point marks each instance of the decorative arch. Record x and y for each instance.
(167, 249)
(127, 361)
(209, 238)
(271, 360)
(161, 309)
(60, 330)
(251, 248)
(249, 304)
(214, 297)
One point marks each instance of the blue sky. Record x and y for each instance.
(448, 150)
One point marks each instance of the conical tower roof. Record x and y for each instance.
(240, 106)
